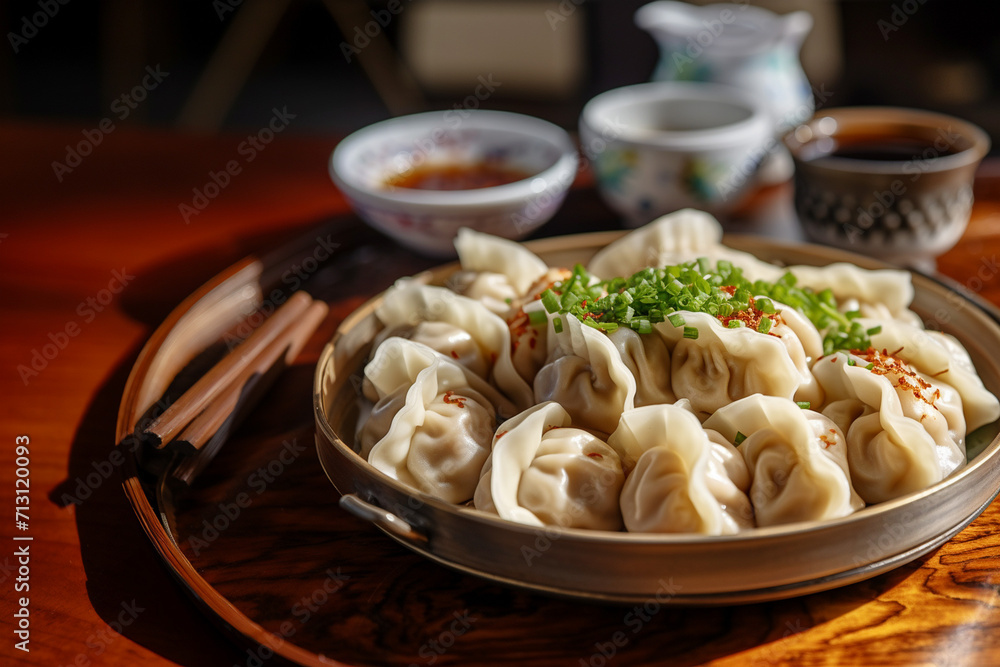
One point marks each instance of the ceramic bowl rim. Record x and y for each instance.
(978, 138)
(596, 116)
(556, 177)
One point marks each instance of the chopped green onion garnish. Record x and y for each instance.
(667, 294)
(803, 404)
(740, 438)
(557, 325)
(537, 317)
(874, 330)
(870, 366)
(550, 301)
(851, 362)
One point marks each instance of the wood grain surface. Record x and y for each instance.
(106, 254)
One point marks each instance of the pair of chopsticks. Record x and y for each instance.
(195, 425)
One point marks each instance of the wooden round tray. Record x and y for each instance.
(259, 541)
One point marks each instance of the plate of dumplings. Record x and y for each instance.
(664, 413)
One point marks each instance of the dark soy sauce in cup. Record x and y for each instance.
(877, 148)
(887, 148)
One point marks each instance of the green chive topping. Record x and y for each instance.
(870, 366)
(651, 296)
(537, 317)
(557, 325)
(805, 405)
(691, 332)
(740, 438)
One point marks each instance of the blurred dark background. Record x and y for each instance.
(69, 61)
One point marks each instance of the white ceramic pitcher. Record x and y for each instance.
(735, 44)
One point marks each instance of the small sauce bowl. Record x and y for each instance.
(420, 178)
(887, 182)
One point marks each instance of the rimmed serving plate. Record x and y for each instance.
(763, 564)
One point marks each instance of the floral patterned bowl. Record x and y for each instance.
(660, 147)
(366, 164)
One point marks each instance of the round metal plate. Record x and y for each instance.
(761, 564)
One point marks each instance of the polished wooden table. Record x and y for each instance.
(94, 258)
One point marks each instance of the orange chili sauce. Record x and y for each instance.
(456, 176)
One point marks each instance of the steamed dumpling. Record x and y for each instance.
(647, 358)
(797, 459)
(681, 478)
(678, 237)
(542, 471)
(493, 290)
(445, 338)
(943, 358)
(586, 375)
(480, 252)
(723, 365)
(433, 423)
(901, 435)
(448, 323)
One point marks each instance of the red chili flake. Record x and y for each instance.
(827, 442)
(729, 289)
(884, 363)
(751, 316)
(501, 434)
(450, 398)
(595, 455)
(532, 342)
(454, 354)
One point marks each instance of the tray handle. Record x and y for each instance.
(383, 519)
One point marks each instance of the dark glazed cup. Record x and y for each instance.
(887, 182)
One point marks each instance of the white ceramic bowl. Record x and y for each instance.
(660, 147)
(428, 220)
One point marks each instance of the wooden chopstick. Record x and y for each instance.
(192, 402)
(200, 440)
